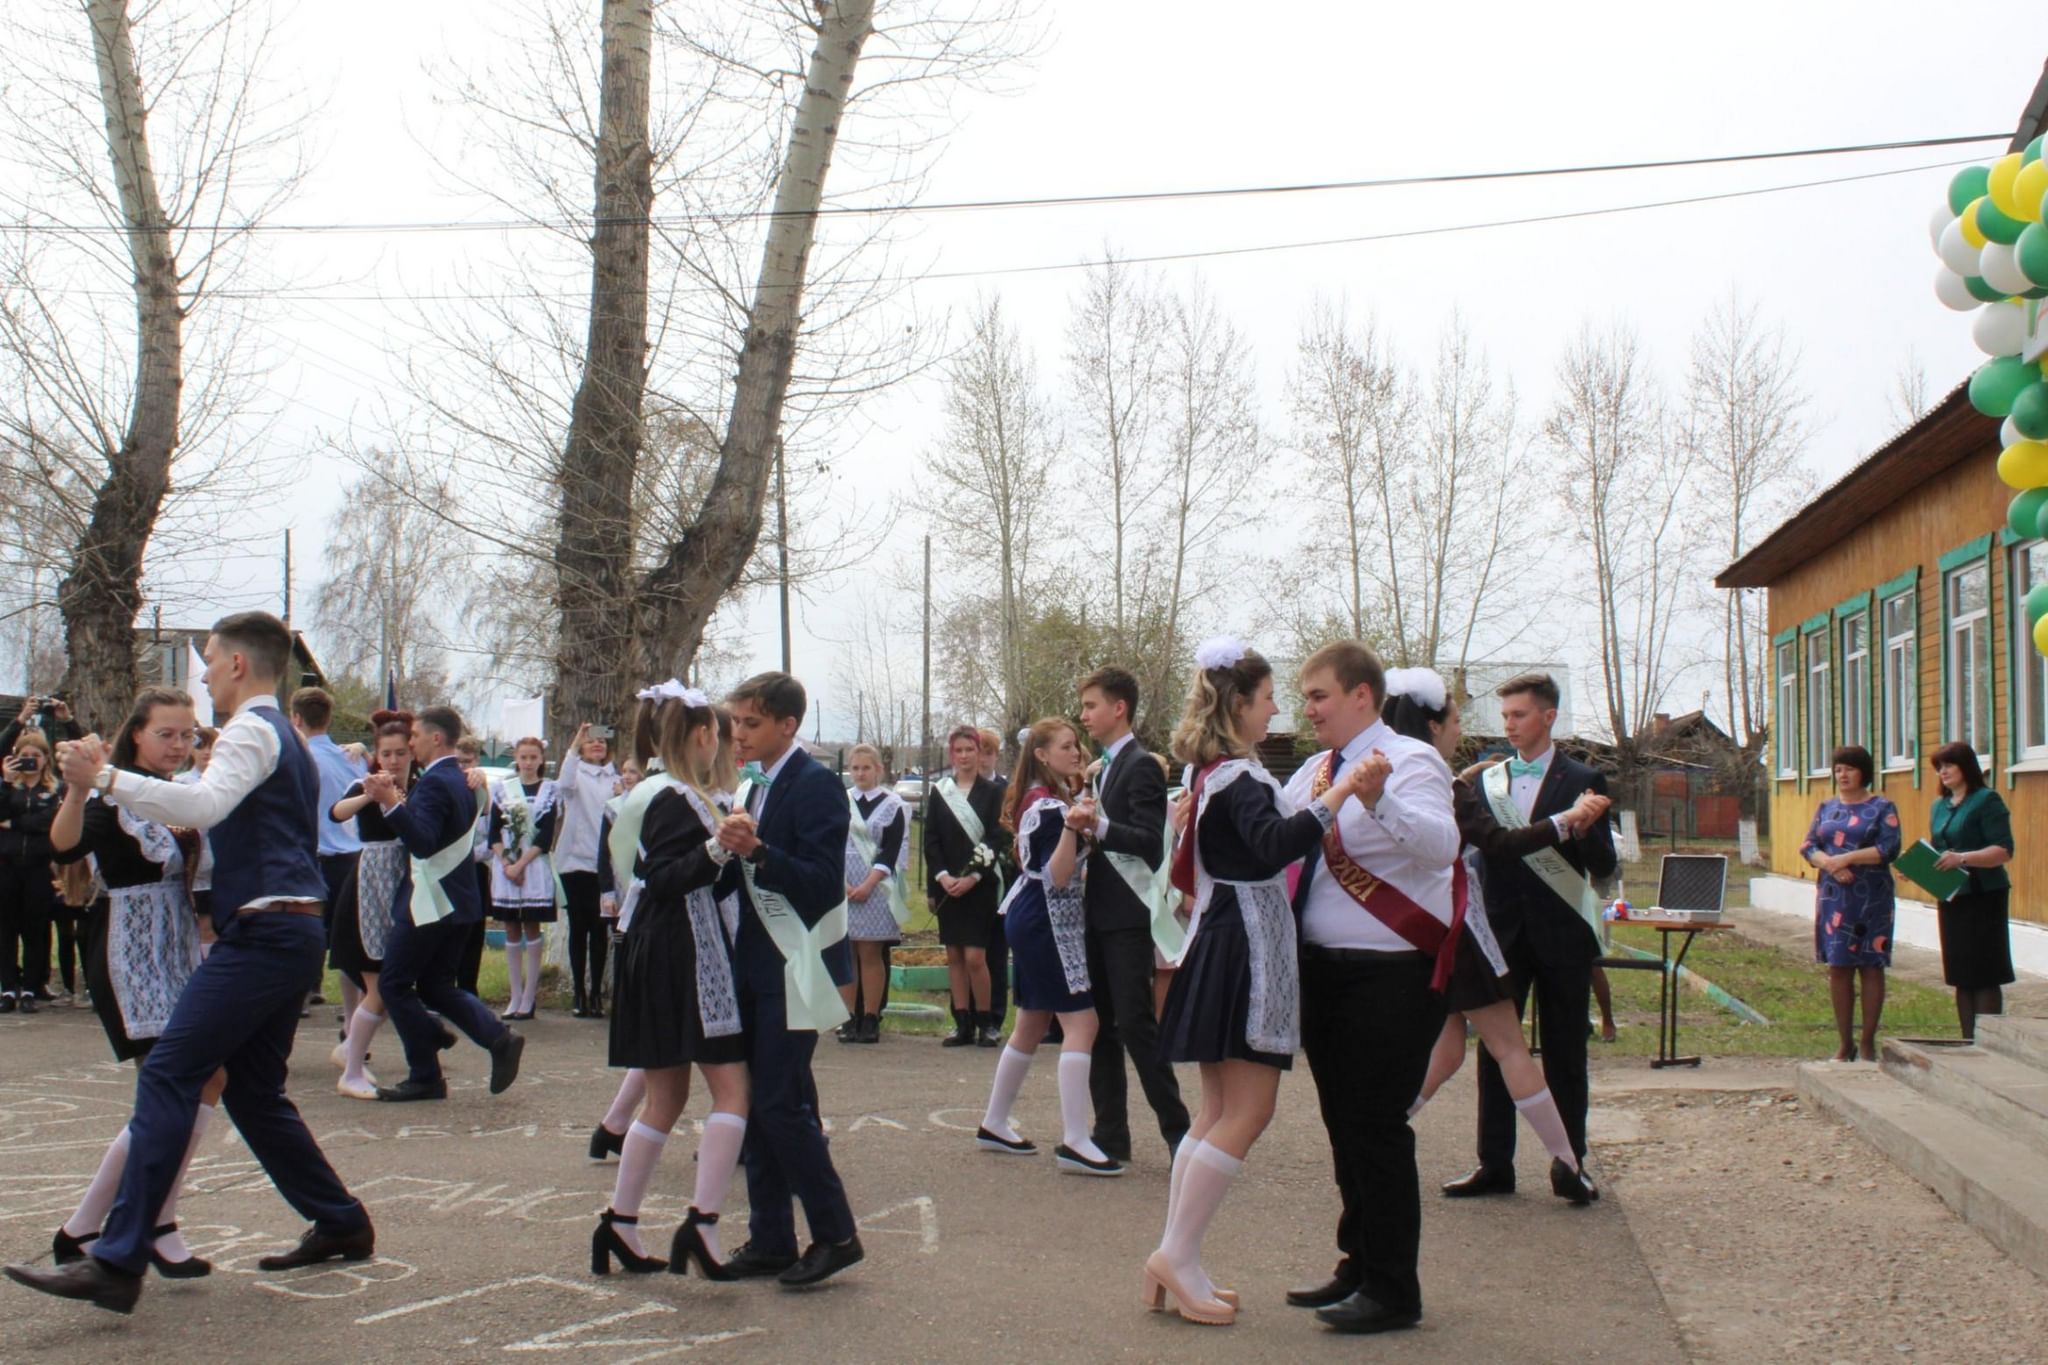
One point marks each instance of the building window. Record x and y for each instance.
(1788, 710)
(1966, 658)
(2030, 694)
(1901, 681)
(1856, 679)
(1819, 698)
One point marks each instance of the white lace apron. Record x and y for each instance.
(1475, 912)
(1062, 903)
(1273, 1017)
(152, 934)
(718, 1001)
(379, 871)
(538, 886)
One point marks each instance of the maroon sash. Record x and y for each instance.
(1182, 873)
(1390, 905)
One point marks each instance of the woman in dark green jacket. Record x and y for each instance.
(1972, 829)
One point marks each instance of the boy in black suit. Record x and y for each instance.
(792, 839)
(1546, 938)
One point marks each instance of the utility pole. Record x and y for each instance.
(287, 575)
(782, 546)
(924, 741)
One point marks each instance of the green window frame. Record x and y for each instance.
(1898, 672)
(1854, 713)
(1785, 718)
(1817, 653)
(1964, 558)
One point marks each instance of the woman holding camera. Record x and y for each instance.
(28, 803)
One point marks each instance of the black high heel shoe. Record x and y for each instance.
(606, 1243)
(64, 1248)
(191, 1268)
(689, 1246)
(604, 1142)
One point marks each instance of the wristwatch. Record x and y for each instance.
(759, 855)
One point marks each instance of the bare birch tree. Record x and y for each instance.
(1908, 398)
(1746, 435)
(103, 432)
(1113, 374)
(382, 605)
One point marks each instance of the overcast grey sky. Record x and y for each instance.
(1148, 97)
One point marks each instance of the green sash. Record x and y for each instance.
(623, 848)
(430, 901)
(970, 825)
(813, 998)
(511, 795)
(864, 844)
(1548, 864)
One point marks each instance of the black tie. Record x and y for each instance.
(1314, 859)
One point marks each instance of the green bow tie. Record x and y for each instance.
(754, 773)
(1517, 768)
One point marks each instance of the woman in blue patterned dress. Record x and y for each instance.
(1854, 839)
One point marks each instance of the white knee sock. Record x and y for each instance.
(515, 973)
(1541, 1111)
(625, 1104)
(534, 948)
(1209, 1173)
(351, 996)
(99, 1195)
(1182, 1155)
(362, 1026)
(1011, 1069)
(636, 1172)
(718, 1156)
(1077, 1110)
(171, 1246)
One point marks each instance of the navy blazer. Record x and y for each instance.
(439, 810)
(807, 814)
(1519, 906)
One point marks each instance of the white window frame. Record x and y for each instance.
(2030, 668)
(1820, 681)
(1855, 719)
(1787, 660)
(1901, 685)
(1971, 624)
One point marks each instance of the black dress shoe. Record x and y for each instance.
(1575, 1186)
(7, 1004)
(28, 1004)
(849, 1032)
(448, 1038)
(1334, 1291)
(820, 1262)
(92, 1281)
(749, 1264)
(408, 1090)
(64, 1248)
(1362, 1313)
(316, 1247)
(604, 1142)
(505, 1054)
(1116, 1151)
(1480, 1180)
(870, 1029)
(191, 1268)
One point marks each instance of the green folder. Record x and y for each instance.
(1917, 865)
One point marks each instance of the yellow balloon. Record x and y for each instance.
(1973, 234)
(2024, 464)
(2004, 174)
(2028, 188)
(2041, 635)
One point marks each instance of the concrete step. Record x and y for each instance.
(2015, 1036)
(1992, 1179)
(1990, 1087)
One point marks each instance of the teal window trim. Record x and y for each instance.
(1816, 625)
(1818, 621)
(1839, 652)
(2000, 583)
(1788, 737)
(1785, 636)
(2012, 662)
(1850, 606)
(1905, 582)
(1980, 548)
(2007, 538)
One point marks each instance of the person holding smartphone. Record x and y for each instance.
(28, 803)
(587, 781)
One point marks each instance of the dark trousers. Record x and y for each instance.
(1367, 1026)
(1120, 969)
(420, 963)
(784, 1150)
(1564, 991)
(70, 926)
(998, 975)
(241, 1011)
(26, 898)
(472, 964)
(334, 871)
(589, 938)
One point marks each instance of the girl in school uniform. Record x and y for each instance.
(369, 901)
(522, 879)
(877, 861)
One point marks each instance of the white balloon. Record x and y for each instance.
(2000, 329)
(2008, 433)
(2001, 270)
(1939, 224)
(1953, 293)
(1956, 253)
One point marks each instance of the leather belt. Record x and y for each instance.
(1364, 954)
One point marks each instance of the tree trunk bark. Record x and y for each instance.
(679, 595)
(595, 667)
(102, 595)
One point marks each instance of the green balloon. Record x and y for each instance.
(1995, 226)
(2030, 418)
(2037, 602)
(2030, 253)
(2033, 150)
(1980, 290)
(1993, 388)
(1971, 182)
(2024, 515)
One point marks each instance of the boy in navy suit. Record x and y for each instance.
(422, 959)
(792, 838)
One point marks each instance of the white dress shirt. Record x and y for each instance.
(772, 772)
(584, 790)
(244, 757)
(1109, 753)
(1524, 789)
(1409, 839)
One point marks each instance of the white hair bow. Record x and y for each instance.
(1424, 685)
(1220, 651)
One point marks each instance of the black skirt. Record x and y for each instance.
(101, 982)
(972, 923)
(1208, 1004)
(345, 938)
(654, 1018)
(1473, 984)
(1976, 943)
